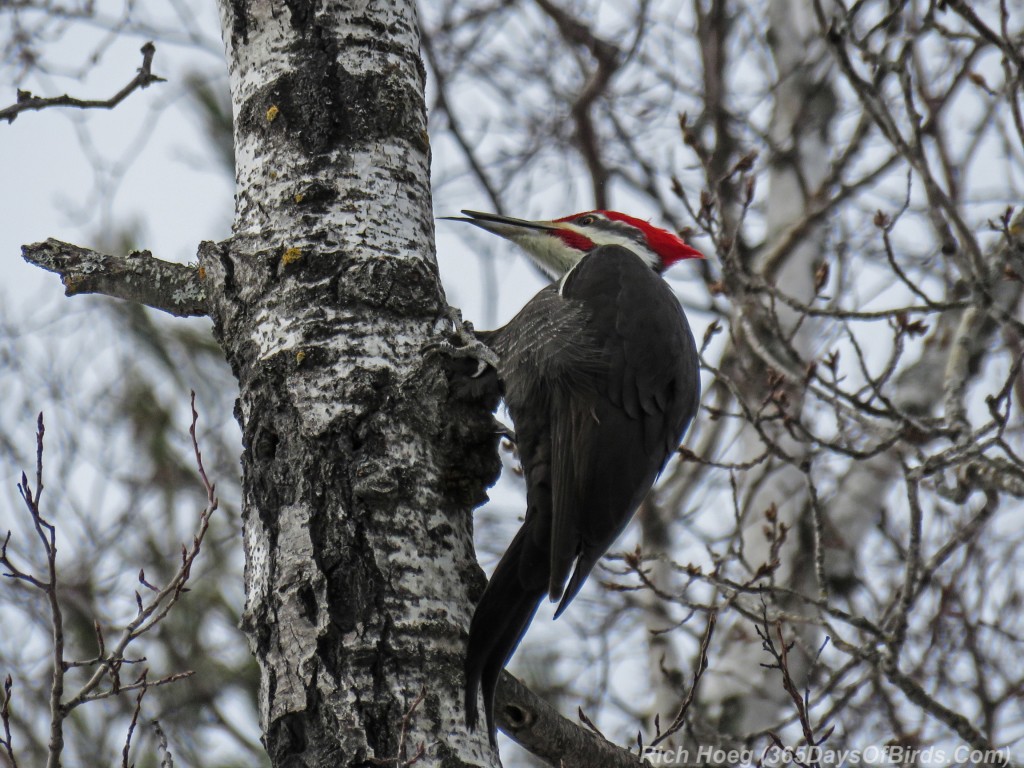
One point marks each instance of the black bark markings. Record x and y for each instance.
(322, 106)
(314, 195)
(239, 23)
(301, 12)
(408, 288)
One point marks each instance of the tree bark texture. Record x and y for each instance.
(139, 277)
(360, 468)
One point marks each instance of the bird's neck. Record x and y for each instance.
(553, 256)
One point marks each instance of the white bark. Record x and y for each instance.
(357, 525)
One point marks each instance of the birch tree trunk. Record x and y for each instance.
(357, 489)
(364, 453)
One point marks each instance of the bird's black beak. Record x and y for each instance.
(504, 226)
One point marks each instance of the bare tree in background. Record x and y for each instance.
(122, 488)
(855, 471)
(838, 543)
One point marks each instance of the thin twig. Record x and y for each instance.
(48, 536)
(698, 672)
(5, 719)
(27, 102)
(135, 720)
(150, 614)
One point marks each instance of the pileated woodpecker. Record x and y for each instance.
(600, 375)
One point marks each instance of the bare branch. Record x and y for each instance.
(954, 720)
(698, 672)
(138, 277)
(108, 662)
(607, 56)
(27, 102)
(151, 613)
(134, 722)
(536, 726)
(1002, 42)
(5, 720)
(48, 536)
(781, 655)
(139, 686)
(912, 557)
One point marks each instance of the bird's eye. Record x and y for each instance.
(586, 221)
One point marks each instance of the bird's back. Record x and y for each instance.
(600, 376)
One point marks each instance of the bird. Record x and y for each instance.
(600, 375)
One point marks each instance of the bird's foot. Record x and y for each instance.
(470, 345)
(505, 431)
(476, 349)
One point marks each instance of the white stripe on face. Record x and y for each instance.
(603, 236)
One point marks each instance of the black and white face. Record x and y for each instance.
(559, 245)
(591, 230)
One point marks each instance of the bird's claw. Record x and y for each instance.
(483, 354)
(470, 346)
(505, 431)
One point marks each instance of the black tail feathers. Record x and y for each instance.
(499, 623)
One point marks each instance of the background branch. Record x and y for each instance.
(108, 663)
(27, 102)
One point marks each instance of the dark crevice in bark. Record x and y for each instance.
(289, 738)
(229, 273)
(239, 22)
(321, 106)
(268, 440)
(384, 285)
(301, 12)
